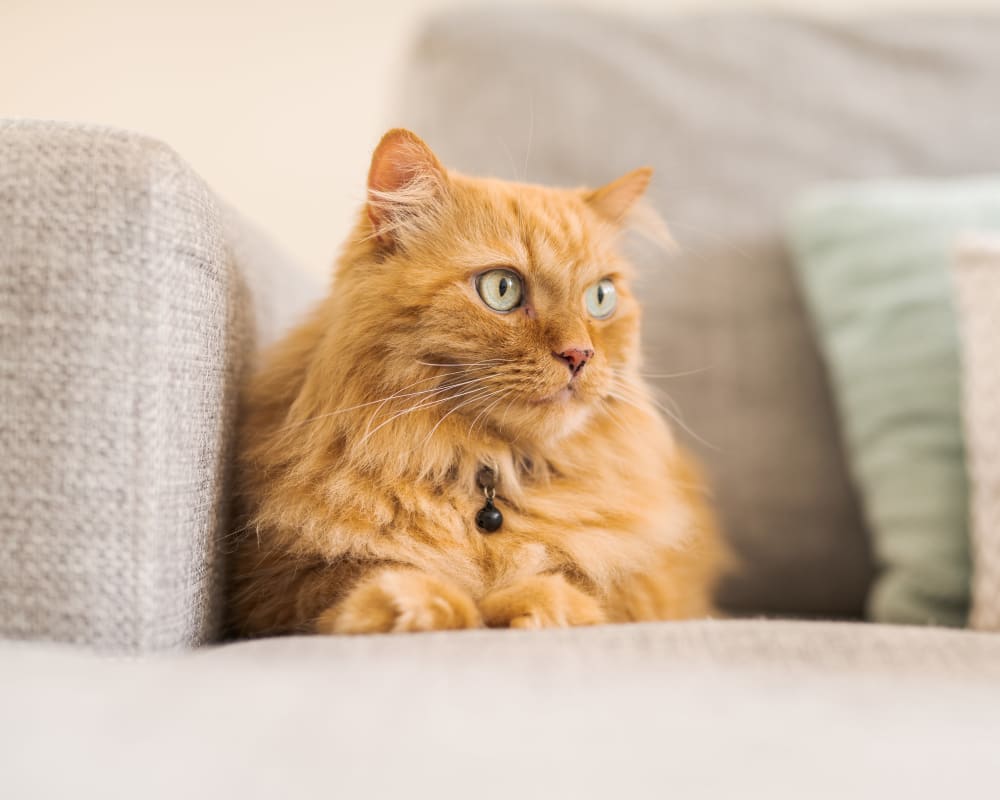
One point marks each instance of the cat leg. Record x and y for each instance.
(541, 601)
(396, 599)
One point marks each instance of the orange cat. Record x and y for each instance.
(475, 366)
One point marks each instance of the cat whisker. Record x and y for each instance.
(510, 158)
(432, 390)
(531, 135)
(441, 389)
(677, 414)
(488, 362)
(231, 535)
(369, 432)
(487, 409)
(655, 376)
(614, 418)
(623, 395)
(398, 395)
(712, 236)
(625, 380)
(437, 425)
(513, 399)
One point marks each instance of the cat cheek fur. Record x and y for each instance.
(363, 430)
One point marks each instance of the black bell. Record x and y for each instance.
(489, 519)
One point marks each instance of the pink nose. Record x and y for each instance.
(575, 358)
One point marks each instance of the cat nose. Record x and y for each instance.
(575, 358)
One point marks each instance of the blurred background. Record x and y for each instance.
(277, 104)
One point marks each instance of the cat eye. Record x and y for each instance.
(500, 289)
(602, 298)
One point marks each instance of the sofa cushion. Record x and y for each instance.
(689, 710)
(977, 277)
(738, 114)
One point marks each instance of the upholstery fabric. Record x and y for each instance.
(125, 322)
(738, 115)
(875, 262)
(282, 292)
(692, 710)
(977, 280)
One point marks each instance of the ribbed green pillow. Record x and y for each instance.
(873, 260)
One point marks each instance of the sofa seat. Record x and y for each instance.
(719, 709)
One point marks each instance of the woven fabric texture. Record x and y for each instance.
(124, 324)
(738, 114)
(977, 280)
(689, 710)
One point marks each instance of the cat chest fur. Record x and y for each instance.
(563, 523)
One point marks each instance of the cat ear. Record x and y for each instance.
(614, 200)
(406, 184)
(621, 202)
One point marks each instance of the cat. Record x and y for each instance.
(475, 363)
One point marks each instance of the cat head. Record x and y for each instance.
(510, 298)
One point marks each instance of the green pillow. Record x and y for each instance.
(874, 262)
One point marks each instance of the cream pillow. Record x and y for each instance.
(977, 278)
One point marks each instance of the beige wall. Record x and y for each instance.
(277, 103)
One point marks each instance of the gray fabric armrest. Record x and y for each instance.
(125, 322)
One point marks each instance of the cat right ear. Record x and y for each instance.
(406, 186)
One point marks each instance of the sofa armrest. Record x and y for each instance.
(125, 321)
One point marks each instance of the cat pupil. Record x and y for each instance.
(600, 294)
(503, 286)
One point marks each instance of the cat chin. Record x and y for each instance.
(547, 421)
(563, 395)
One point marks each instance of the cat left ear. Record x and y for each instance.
(622, 203)
(406, 184)
(614, 200)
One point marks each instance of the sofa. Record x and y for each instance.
(133, 301)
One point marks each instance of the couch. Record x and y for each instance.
(132, 300)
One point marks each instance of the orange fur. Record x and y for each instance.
(364, 429)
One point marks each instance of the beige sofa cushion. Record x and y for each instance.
(686, 710)
(977, 277)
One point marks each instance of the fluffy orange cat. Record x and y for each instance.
(459, 436)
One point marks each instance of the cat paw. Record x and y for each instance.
(542, 601)
(399, 600)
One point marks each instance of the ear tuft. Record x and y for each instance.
(406, 183)
(614, 200)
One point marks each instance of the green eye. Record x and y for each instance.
(500, 289)
(602, 298)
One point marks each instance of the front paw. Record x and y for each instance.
(400, 599)
(542, 601)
